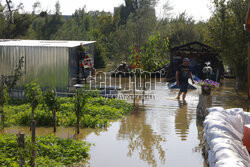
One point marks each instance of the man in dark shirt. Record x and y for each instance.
(182, 75)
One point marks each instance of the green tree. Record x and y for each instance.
(33, 93)
(3, 99)
(52, 103)
(45, 25)
(13, 24)
(181, 29)
(225, 32)
(131, 7)
(99, 58)
(136, 31)
(80, 99)
(8, 82)
(152, 55)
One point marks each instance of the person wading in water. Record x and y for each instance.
(182, 75)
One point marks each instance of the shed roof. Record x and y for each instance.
(42, 43)
(194, 47)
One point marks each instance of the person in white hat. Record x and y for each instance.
(182, 75)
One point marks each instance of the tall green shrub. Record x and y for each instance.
(52, 103)
(34, 95)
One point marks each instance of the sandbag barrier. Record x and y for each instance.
(223, 134)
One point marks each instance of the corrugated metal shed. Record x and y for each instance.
(54, 64)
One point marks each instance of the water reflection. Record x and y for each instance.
(141, 138)
(227, 97)
(198, 149)
(62, 132)
(181, 120)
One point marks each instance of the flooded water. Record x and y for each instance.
(161, 132)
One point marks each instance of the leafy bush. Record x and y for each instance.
(51, 151)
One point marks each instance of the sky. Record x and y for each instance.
(198, 9)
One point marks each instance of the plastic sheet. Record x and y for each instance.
(223, 130)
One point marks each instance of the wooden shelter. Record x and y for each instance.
(199, 54)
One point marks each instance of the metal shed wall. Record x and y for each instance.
(48, 65)
(74, 65)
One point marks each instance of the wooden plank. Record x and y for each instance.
(248, 70)
(248, 19)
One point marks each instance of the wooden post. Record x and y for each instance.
(144, 88)
(33, 131)
(247, 26)
(134, 89)
(248, 70)
(205, 102)
(78, 115)
(21, 144)
(54, 113)
(77, 123)
(54, 117)
(2, 101)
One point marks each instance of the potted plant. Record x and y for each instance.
(207, 85)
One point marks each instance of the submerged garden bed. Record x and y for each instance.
(97, 113)
(51, 151)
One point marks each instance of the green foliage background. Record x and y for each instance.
(152, 55)
(132, 23)
(225, 32)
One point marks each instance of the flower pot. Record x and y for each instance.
(205, 90)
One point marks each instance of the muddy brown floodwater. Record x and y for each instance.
(161, 132)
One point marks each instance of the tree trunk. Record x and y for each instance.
(77, 124)
(32, 117)
(237, 83)
(21, 145)
(54, 120)
(78, 118)
(2, 117)
(33, 156)
(32, 114)
(2, 105)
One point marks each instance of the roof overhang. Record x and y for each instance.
(194, 47)
(43, 43)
